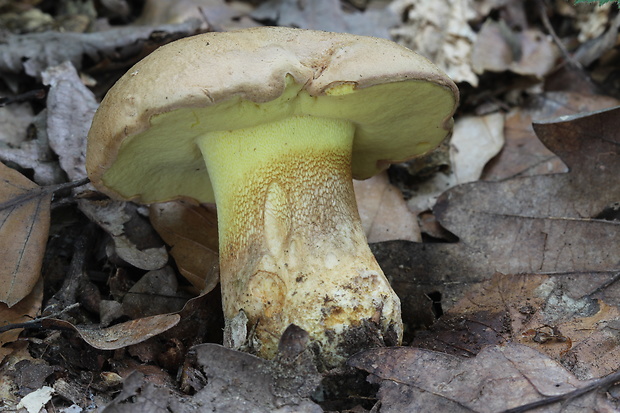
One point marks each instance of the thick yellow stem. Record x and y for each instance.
(292, 249)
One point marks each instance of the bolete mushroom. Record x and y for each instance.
(272, 124)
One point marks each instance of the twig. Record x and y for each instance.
(68, 294)
(36, 323)
(597, 384)
(30, 95)
(41, 191)
(606, 284)
(567, 56)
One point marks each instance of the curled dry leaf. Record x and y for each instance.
(119, 335)
(70, 109)
(475, 140)
(498, 378)
(191, 232)
(24, 226)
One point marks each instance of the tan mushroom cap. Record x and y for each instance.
(142, 140)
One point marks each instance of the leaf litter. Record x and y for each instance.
(519, 302)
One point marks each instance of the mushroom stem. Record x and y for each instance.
(292, 248)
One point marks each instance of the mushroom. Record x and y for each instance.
(272, 124)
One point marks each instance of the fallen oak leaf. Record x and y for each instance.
(544, 224)
(24, 226)
(498, 378)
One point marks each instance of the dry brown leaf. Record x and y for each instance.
(524, 154)
(233, 381)
(475, 140)
(24, 225)
(498, 378)
(547, 223)
(522, 225)
(155, 293)
(554, 314)
(191, 232)
(23, 311)
(383, 211)
(119, 335)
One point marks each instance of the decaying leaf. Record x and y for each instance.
(475, 140)
(524, 154)
(119, 335)
(563, 316)
(155, 293)
(71, 107)
(36, 154)
(383, 211)
(135, 242)
(35, 52)
(191, 232)
(227, 380)
(545, 223)
(440, 31)
(498, 48)
(539, 224)
(498, 378)
(24, 225)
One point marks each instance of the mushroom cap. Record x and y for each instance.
(141, 144)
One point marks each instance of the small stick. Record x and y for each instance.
(567, 56)
(597, 384)
(41, 191)
(30, 95)
(36, 323)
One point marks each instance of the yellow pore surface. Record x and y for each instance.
(392, 122)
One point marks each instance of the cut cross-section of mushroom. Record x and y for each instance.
(272, 124)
